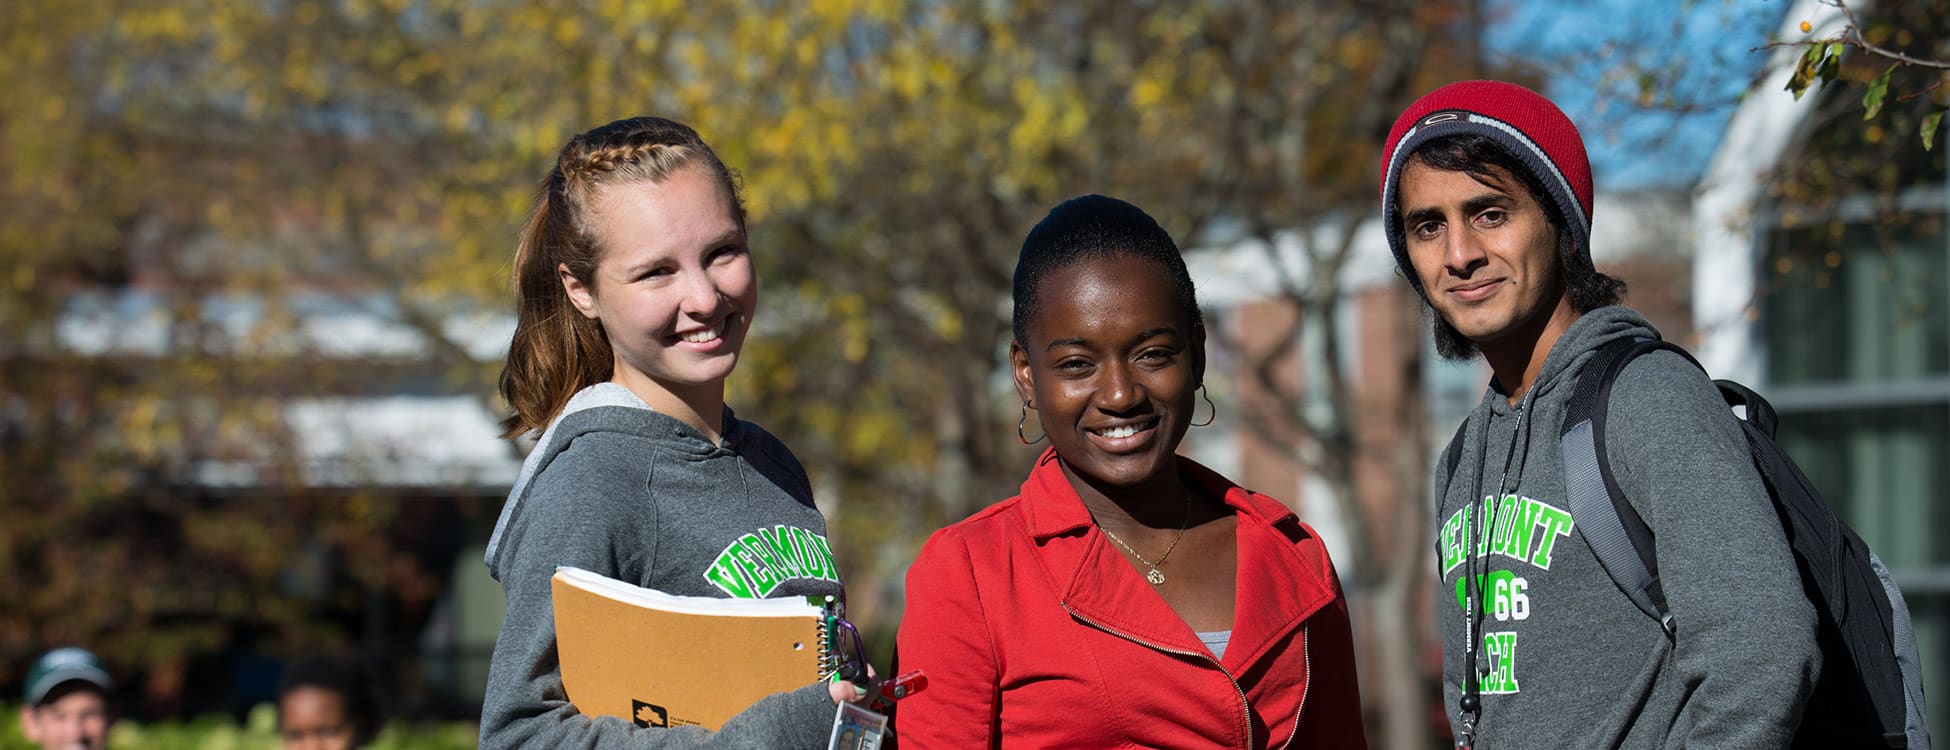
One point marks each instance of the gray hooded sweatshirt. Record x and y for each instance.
(1567, 661)
(639, 496)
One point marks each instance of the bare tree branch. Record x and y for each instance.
(1851, 35)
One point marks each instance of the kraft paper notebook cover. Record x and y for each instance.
(658, 659)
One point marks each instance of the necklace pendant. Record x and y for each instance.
(1155, 577)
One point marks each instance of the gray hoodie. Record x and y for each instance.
(1568, 661)
(621, 490)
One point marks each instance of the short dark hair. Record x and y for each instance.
(1488, 162)
(344, 676)
(1091, 227)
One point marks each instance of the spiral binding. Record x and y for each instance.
(828, 659)
(829, 654)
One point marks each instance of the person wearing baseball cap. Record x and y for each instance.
(1486, 197)
(65, 706)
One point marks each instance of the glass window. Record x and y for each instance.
(1853, 303)
(1882, 470)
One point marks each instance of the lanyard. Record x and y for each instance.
(1470, 707)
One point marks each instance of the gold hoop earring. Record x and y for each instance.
(1208, 402)
(1019, 423)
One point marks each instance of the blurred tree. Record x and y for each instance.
(1926, 72)
(183, 177)
(1900, 64)
(1864, 183)
(1878, 74)
(382, 152)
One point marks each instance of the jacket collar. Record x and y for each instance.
(1283, 574)
(1053, 508)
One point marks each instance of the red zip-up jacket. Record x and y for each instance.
(1035, 632)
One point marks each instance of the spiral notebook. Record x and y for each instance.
(661, 660)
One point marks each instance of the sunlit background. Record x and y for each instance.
(256, 253)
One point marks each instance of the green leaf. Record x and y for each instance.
(1805, 70)
(1831, 63)
(1930, 123)
(1872, 100)
(1812, 58)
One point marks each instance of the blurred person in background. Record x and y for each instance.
(327, 703)
(66, 704)
(1128, 597)
(635, 290)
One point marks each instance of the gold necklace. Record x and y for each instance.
(1154, 575)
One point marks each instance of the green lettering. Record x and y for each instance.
(751, 554)
(802, 547)
(724, 574)
(1483, 542)
(1522, 528)
(825, 553)
(1506, 525)
(1502, 651)
(1454, 549)
(796, 537)
(1555, 523)
(779, 541)
(1485, 589)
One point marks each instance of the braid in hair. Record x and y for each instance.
(556, 351)
(590, 168)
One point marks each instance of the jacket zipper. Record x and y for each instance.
(1307, 661)
(1245, 719)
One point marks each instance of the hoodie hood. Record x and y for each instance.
(606, 407)
(1573, 349)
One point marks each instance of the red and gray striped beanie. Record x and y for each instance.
(1522, 121)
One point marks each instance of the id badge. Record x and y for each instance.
(856, 728)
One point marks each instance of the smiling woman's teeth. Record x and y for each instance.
(1125, 431)
(699, 337)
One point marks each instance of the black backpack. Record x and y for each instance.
(1870, 690)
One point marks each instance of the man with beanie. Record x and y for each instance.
(1486, 196)
(66, 703)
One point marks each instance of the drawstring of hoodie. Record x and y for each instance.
(1470, 707)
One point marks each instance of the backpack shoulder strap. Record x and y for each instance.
(1616, 533)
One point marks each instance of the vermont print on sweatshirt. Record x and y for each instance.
(1565, 659)
(756, 564)
(1522, 533)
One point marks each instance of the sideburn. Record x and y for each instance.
(1450, 344)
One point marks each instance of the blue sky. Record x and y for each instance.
(1702, 46)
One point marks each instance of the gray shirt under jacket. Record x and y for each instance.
(1567, 660)
(621, 490)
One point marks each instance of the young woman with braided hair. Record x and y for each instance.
(635, 290)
